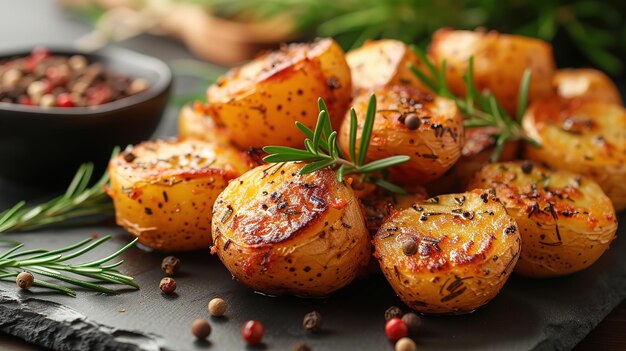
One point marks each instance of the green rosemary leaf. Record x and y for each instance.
(426, 61)
(424, 78)
(315, 166)
(328, 127)
(353, 129)
(368, 126)
(308, 144)
(319, 128)
(53, 286)
(500, 144)
(383, 163)
(88, 248)
(10, 251)
(111, 256)
(332, 143)
(340, 172)
(284, 150)
(73, 281)
(277, 158)
(388, 186)
(522, 103)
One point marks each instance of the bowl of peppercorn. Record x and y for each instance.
(60, 108)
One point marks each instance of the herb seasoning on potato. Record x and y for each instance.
(467, 247)
(565, 220)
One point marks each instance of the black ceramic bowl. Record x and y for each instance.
(48, 145)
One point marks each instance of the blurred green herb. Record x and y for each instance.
(481, 109)
(322, 149)
(51, 264)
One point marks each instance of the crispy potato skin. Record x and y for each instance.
(279, 232)
(260, 101)
(194, 122)
(478, 147)
(467, 246)
(570, 83)
(433, 147)
(380, 63)
(165, 195)
(499, 63)
(565, 220)
(581, 135)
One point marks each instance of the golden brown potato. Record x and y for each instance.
(499, 63)
(434, 144)
(380, 204)
(581, 135)
(477, 150)
(381, 63)
(261, 101)
(449, 254)
(195, 122)
(279, 232)
(163, 191)
(589, 82)
(565, 220)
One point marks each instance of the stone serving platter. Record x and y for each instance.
(527, 315)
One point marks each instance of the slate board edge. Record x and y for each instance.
(58, 327)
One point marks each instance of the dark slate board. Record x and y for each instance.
(527, 315)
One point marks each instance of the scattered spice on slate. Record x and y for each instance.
(167, 285)
(412, 122)
(301, 346)
(396, 329)
(413, 322)
(252, 332)
(25, 280)
(48, 80)
(201, 328)
(405, 344)
(217, 307)
(409, 247)
(393, 312)
(170, 264)
(312, 321)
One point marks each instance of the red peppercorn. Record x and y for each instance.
(252, 332)
(25, 100)
(65, 100)
(40, 53)
(396, 329)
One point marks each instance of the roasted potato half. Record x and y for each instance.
(381, 63)
(477, 150)
(565, 220)
(261, 101)
(195, 122)
(433, 141)
(163, 191)
(280, 232)
(449, 254)
(499, 63)
(570, 83)
(581, 135)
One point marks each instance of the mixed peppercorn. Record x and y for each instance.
(48, 80)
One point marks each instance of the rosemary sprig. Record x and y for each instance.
(79, 200)
(51, 264)
(481, 109)
(322, 149)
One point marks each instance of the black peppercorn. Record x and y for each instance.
(312, 321)
(527, 167)
(413, 321)
(393, 312)
(129, 156)
(170, 265)
(409, 247)
(412, 121)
